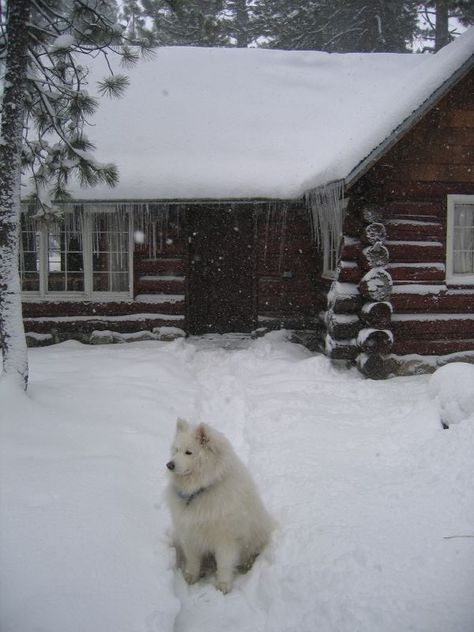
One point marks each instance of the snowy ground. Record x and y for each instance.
(374, 500)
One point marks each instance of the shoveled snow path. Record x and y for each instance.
(339, 461)
(364, 484)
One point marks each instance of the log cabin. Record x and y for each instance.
(328, 194)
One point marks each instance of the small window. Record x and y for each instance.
(460, 239)
(331, 243)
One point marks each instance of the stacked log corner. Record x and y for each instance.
(342, 322)
(375, 338)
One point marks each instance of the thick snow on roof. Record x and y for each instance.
(233, 123)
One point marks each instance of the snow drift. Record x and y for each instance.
(374, 500)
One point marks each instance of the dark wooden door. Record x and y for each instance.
(221, 290)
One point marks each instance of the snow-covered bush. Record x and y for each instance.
(452, 387)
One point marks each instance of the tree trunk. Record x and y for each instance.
(242, 23)
(442, 24)
(12, 335)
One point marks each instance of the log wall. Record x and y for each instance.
(289, 292)
(409, 186)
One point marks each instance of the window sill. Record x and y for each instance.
(123, 297)
(460, 279)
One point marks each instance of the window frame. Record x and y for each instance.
(455, 278)
(330, 255)
(87, 251)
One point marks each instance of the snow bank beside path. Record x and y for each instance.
(374, 500)
(452, 387)
(83, 532)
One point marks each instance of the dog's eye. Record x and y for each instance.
(188, 452)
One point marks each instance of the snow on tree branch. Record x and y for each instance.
(62, 34)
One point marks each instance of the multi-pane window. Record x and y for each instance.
(460, 239)
(65, 264)
(463, 244)
(331, 242)
(110, 249)
(83, 253)
(29, 256)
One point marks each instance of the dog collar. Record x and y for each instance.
(189, 497)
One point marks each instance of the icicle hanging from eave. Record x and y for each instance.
(150, 218)
(326, 206)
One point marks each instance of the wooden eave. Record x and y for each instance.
(407, 124)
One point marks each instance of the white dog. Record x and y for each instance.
(214, 504)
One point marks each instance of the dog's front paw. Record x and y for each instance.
(224, 586)
(191, 577)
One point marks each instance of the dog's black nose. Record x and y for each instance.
(170, 465)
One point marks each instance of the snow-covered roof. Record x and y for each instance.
(253, 123)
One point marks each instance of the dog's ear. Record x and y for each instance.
(181, 425)
(202, 434)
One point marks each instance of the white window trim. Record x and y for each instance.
(88, 294)
(328, 271)
(452, 277)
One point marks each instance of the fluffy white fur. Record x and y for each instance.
(215, 506)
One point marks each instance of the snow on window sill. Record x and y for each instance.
(35, 297)
(460, 279)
